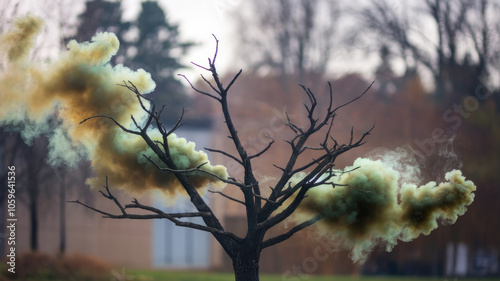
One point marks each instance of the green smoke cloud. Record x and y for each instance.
(79, 84)
(372, 206)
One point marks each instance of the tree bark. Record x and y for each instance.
(246, 263)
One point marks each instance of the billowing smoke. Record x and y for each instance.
(53, 98)
(373, 205)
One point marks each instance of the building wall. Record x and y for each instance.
(180, 247)
(118, 242)
(128, 243)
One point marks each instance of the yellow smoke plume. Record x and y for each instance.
(371, 206)
(81, 83)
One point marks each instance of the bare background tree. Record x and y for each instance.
(294, 37)
(8, 150)
(30, 160)
(467, 32)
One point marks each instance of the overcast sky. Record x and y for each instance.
(198, 20)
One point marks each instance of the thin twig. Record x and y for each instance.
(199, 91)
(158, 214)
(177, 124)
(227, 196)
(114, 120)
(193, 170)
(265, 199)
(225, 154)
(354, 99)
(263, 150)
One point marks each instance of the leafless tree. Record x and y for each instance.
(64, 15)
(35, 178)
(288, 37)
(13, 150)
(9, 147)
(466, 38)
(262, 212)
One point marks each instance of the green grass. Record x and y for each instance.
(157, 275)
(164, 275)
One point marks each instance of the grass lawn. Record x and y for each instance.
(156, 275)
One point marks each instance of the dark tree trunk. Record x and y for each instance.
(3, 209)
(246, 262)
(33, 206)
(62, 216)
(246, 268)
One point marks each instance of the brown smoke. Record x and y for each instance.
(374, 209)
(79, 84)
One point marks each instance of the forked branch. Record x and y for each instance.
(280, 238)
(321, 166)
(153, 213)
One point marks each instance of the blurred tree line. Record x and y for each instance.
(150, 42)
(456, 42)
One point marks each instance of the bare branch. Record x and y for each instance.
(292, 126)
(330, 96)
(199, 91)
(210, 84)
(227, 196)
(265, 199)
(234, 79)
(263, 150)
(111, 197)
(290, 233)
(251, 205)
(139, 96)
(308, 165)
(136, 205)
(91, 208)
(304, 185)
(202, 67)
(157, 214)
(354, 99)
(193, 170)
(276, 166)
(114, 120)
(216, 50)
(177, 124)
(135, 123)
(225, 154)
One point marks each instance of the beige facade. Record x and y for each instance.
(118, 242)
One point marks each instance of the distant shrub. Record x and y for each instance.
(40, 266)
